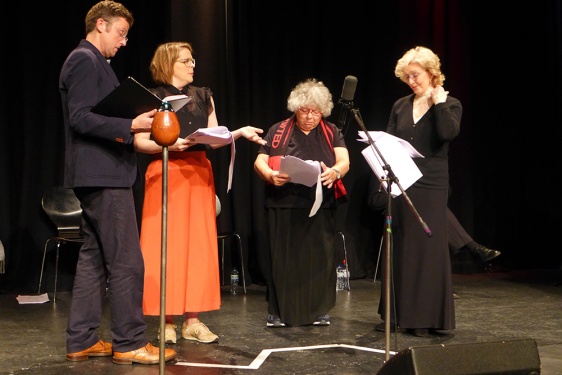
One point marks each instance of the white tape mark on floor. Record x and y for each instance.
(260, 359)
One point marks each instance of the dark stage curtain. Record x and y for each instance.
(504, 66)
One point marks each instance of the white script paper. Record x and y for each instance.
(377, 135)
(301, 171)
(40, 298)
(214, 135)
(398, 155)
(177, 101)
(217, 135)
(305, 172)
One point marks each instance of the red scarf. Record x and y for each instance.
(280, 142)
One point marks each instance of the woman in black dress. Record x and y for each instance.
(301, 287)
(421, 269)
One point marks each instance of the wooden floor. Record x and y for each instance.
(494, 310)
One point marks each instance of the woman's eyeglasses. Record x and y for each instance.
(187, 62)
(313, 112)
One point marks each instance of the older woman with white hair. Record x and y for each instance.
(301, 285)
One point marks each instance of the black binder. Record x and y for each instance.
(130, 99)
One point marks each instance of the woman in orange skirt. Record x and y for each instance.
(192, 273)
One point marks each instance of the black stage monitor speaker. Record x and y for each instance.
(513, 357)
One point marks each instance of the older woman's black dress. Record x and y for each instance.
(301, 283)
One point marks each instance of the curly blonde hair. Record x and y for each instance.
(428, 61)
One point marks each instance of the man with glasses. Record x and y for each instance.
(101, 167)
(122, 32)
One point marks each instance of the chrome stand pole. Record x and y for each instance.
(162, 358)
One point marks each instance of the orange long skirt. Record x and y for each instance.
(192, 266)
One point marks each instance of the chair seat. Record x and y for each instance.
(63, 208)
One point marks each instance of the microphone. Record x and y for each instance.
(346, 99)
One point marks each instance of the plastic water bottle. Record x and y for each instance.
(234, 279)
(346, 276)
(340, 277)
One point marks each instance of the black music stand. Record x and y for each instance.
(390, 179)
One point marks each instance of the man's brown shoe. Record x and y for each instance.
(147, 355)
(99, 349)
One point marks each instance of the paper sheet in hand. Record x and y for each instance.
(130, 99)
(397, 155)
(301, 171)
(305, 172)
(215, 135)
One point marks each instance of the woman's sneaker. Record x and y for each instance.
(198, 332)
(169, 333)
(274, 321)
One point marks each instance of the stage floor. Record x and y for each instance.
(493, 309)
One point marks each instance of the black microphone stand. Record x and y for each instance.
(390, 179)
(345, 108)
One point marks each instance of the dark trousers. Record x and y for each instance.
(457, 236)
(110, 255)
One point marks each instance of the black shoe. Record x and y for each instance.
(322, 320)
(440, 332)
(485, 254)
(418, 332)
(381, 327)
(274, 321)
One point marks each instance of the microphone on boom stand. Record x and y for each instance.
(346, 101)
